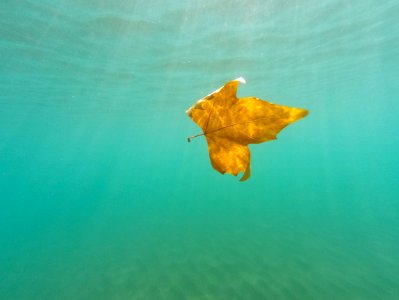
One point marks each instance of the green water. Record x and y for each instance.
(103, 198)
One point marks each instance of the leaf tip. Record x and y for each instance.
(247, 173)
(240, 79)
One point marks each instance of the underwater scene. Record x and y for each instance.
(103, 197)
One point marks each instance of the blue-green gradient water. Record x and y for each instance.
(101, 196)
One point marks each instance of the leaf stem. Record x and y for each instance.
(194, 136)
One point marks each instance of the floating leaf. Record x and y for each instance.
(230, 124)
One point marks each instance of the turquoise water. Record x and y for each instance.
(103, 198)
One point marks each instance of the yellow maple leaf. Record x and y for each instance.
(230, 124)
